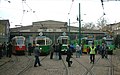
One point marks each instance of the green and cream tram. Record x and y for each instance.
(64, 40)
(44, 44)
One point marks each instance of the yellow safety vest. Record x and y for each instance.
(92, 50)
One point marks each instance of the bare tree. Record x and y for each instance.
(101, 24)
(90, 26)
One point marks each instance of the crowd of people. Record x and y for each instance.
(5, 49)
(56, 48)
(91, 50)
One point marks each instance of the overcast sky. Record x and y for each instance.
(26, 12)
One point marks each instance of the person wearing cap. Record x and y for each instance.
(37, 54)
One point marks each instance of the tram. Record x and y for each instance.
(19, 46)
(64, 40)
(109, 43)
(44, 44)
(87, 42)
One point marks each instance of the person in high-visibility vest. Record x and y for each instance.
(92, 53)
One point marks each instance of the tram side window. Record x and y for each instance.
(48, 42)
(41, 42)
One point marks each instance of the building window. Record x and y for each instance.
(25, 30)
(49, 30)
(118, 27)
(58, 30)
(40, 30)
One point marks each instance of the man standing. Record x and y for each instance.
(77, 51)
(9, 49)
(92, 53)
(69, 55)
(37, 54)
(60, 47)
(52, 51)
(29, 49)
(4, 48)
(0, 50)
(103, 50)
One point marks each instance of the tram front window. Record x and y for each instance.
(64, 41)
(89, 42)
(41, 42)
(20, 41)
(109, 42)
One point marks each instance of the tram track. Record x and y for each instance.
(49, 67)
(9, 64)
(15, 66)
(88, 70)
(116, 56)
(106, 66)
(66, 68)
(29, 65)
(111, 71)
(5, 63)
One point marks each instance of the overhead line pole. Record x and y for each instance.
(69, 30)
(79, 26)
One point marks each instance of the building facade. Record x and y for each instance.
(116, 28)
(53, 29)
(43, 26)
(4, 31)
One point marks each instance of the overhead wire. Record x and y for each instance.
(24, 10)
(69, 12)
(103, 6)
(70, 8)
(32, 10)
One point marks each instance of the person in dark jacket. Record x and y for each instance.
(9, 51)
(59, 51)
(69, 55)
(52, 51)
(4, 48)
(37, 54)
(104, 50)
(29, 49)
(1, 50)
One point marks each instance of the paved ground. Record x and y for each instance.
(80, 66)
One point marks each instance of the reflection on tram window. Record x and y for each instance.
(89, 42)
(20, 41)
(64, 41)
(108, 42)
(41, 42)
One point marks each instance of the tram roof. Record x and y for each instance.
(41, 36)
